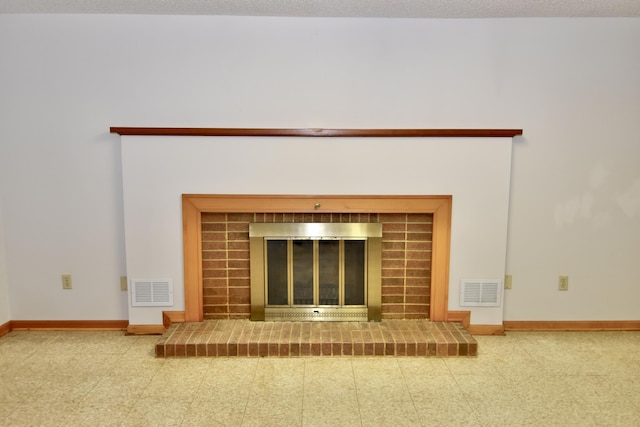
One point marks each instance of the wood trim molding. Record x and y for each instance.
(72, 325)
(195, 204)
(5, 328)
(145, 329)
(571, 325)
(486, 329)
(463, 317)
(169, 317)
(310, 132)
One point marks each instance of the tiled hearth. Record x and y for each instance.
(224, 338)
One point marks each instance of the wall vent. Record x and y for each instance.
(151, 292)
(480, 292)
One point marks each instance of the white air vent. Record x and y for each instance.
(151, 292)
(480, 292)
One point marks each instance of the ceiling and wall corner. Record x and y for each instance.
(338, 8)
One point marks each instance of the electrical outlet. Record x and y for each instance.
(508, 281)
(123, 283)
(66, 281)
(563, 283)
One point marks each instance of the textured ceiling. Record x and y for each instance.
(337, 8)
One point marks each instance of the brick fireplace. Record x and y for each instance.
(470, 166)
(406, 260)
(415, 252)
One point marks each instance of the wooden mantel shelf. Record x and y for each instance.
(344, 133)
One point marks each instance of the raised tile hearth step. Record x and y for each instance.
(244, 338)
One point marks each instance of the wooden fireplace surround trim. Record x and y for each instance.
(193, 205)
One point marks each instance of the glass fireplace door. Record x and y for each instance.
(315, 272)
(303, 272)
(329, 272)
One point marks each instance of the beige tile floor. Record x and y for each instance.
(106, 378)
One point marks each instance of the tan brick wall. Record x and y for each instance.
(406, 260)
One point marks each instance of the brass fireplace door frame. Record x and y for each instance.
(371, 232)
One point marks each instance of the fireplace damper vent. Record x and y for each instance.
(315, 271)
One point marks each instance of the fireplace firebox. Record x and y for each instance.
(315, 271)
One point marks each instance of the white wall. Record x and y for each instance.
(158, 170)
(573, 85)
(4, 289)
